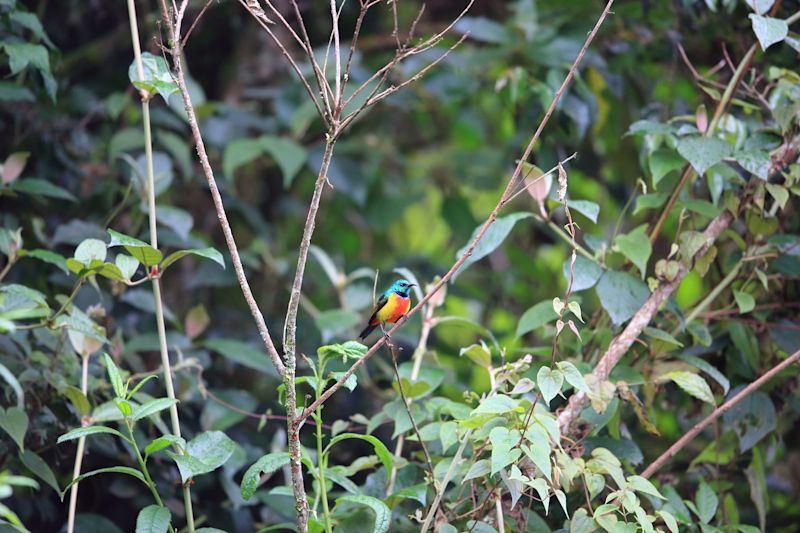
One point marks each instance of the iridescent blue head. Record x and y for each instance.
(400, 287)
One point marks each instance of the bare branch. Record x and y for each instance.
(196, 20)
(290, 59)
(180, 80)
(718, 412)
(490, 220)
(337, 100)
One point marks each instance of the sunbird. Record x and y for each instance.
(391, 307)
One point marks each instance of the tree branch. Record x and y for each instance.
(180, 80)
(621, 343)
(718, 412)
(490, 220)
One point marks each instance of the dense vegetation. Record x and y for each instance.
(608, 336)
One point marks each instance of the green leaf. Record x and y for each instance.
(549, 382)
(536, 317)
(348, 350)
(127, 265)
(380, 449)
(114, 377)
(649, 201)
(383, 516)
(779, 193)
(11, 379)
(573, 376)
(706, 367)
(745, 301)
(143, 252)
(496, 404)
(40, 187)
(89, 430)
(21, 55)
(477, 353)
(701, 207)
(163, 442)
(266, 465)
(240, 152)
(14, 421)
(586, 208)
(38, 466)
(204, 453)
(78, 400)
(242, 353)
(706, 501)
(157, 77)
(478, 469)
(661, 163)
(692, 384)
(504, 447)
(153, 519)
(586, 273)
(289, 155)
(621, 295)
(152, 407)
(662, 336)
(46, 256)
(643, 485)
(110, 470)
(703, 152)
(752, 418)
(769, 30)
(760, 6)
(90, 250)
(669, 520)
(208, 253)
(757, 162)
(491, 240)
(11, 92)
(636, 247)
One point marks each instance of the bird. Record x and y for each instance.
(391, 307)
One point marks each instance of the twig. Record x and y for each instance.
(407, 407)
(196, 20)
(718, 412)
(489, 221)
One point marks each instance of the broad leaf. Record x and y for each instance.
(153, 519)
(491, 240)
(208, 253)
(703, 152)
(14, 421)
(621, 295)
(769, 30)
(152, 407)
(89, 430)
(383, 516)
(204, 453)
(549, 382)
(636, 247)
(266, 465)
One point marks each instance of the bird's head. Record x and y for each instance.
(401, 287)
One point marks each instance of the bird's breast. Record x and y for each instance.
(396, 306)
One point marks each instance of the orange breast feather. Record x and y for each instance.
(395, 307)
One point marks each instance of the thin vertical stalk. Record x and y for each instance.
(721, 286)
(321, 465)
(151, 200)
(289, 344)
(76, 471)
(142, 464)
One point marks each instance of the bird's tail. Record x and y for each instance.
(367, 330)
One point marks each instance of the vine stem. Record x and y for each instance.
(152, 216)
(721, 286)
(76, 471)
(718, 412)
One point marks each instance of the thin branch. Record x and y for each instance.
(489, 221)
(180, 80)
(311, 93)
(196, 20)
(335, 32)
(407, 407)
(718, 412)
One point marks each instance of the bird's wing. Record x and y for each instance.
(378, 306)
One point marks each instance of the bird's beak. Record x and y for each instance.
(412, 284)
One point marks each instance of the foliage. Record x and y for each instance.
(672, 139)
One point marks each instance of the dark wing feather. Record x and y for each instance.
(370, 325)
